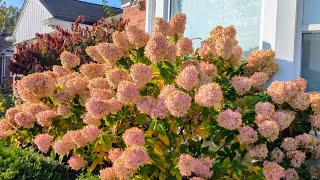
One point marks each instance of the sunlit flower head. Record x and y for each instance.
(69, 60)
(76, 162)
(133, 137)
(209, 95)
(127, 92)
(137, 37)
(178, 103)
(188, 78)
(115, 76)
(229, 119)
(92, 70)
(110, 53)
(156, 48)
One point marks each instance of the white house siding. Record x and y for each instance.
(31, 21)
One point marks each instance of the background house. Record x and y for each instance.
(41, 16)
(6, 54)
(289, 27)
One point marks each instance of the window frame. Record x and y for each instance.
(301, 30)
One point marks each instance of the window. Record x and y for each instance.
(203, 16)
(4, 66)
(309, 45)
(310, 67)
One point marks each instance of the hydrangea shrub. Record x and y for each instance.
(152, 107)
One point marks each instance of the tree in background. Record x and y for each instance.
(8, 16)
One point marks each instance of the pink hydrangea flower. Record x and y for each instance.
(141, 74)
(259, 152)
(277, 155)
(45, 118)
(178, 24)
(301, 101)
(297, 157)
(186, 164)
(247, 135)
(137, 37)
(242, 85)
(93, 52)
(120, 39)
(114, 154)
(258, 79)
(265, 109)
(178, 103)
(284, 118)
(133, 137)
(92, 70)
(99, 83)
(69, 60)
(184, 46)
(127, 92)
(60, 71)
(108, 174)
(43, 142)
(161, 27)
(276, 91)
(315, 102)
(134, 157)
(24, 120)
(209, 95)
(291, 174)
(229, 119)
(188, 78)
(273, 171)
(76, 162)
(110, 53)
(156, 48)
(115, 76)
(289, 144)
(270, 130)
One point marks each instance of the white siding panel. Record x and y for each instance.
(31, 21)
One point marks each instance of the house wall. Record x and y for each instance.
(31, 21)
(6, 78)
(136, 15)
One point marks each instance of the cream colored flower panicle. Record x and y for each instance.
(110, 53)
(156, 48)
(93, 52)
(229, 119)
(242, 85)
(115, 76)
(43, 142)
(178, 103)
(188, 78)
(178, 24)
(61, 71)
(161, 27)
(69, 60)
(137, 37)
(127, 92)
(184, 47)
(38, 85)
(92, 70)
(209, 95)
(76, 162)
(99, 83)
(141, 74)
(121, 40)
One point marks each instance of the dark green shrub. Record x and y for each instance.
(23, 164)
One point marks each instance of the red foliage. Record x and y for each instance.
(42, 54)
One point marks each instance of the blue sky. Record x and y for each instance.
(18, 3)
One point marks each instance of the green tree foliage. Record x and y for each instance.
(8, 16)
